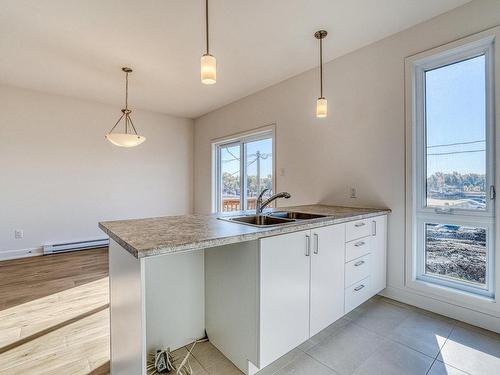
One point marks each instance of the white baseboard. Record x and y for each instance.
(463, 314)
(21, 253)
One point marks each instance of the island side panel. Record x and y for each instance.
(128, 356)
(175, 299)
(232, 301)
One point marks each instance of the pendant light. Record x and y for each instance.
(321, 103)
(130, 138)
(208, 62)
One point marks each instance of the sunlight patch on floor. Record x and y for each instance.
(77, 348)
(30, 318)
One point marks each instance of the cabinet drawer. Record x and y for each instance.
(357, 270)
(358, 229)
(358, 248)
(356, 294)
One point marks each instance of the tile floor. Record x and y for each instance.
(379, 337)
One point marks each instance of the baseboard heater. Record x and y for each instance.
(74, 246)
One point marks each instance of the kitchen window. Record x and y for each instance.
(243, 167)
(452, 223)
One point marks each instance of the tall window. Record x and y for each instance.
(243, 168)
(453, 192)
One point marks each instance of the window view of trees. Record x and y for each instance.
(458, 190)
(257, 173)
(231, 185)
(254, 187)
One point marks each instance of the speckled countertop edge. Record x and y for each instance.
(176, 234)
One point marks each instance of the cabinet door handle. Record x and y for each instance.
(308, 245)
(357, 264)
(358, 225)
(360, 243)
(374, 228)
(316, 243)
(358, 288)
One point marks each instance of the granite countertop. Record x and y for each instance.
(174, 234)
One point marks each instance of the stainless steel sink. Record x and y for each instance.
(272, 218)
(295, 215)
(259, 220)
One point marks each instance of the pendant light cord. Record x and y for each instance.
(206, 23)
(321, 66)
(126, 90)
(126, 102)
(128, 119)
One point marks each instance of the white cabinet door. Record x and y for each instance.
(284, 294)
(327, 276)
(379, 256)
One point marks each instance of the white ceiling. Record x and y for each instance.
(76, 47)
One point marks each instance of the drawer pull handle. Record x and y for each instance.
(358, 244)
(357, 264)
(358, 288)
(358, 225)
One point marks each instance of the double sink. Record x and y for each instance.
(273, 218)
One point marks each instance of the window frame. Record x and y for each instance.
(417, 212)
(266, 132)
(456, 284)
(420, 67)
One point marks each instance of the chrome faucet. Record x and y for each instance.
(260, 205)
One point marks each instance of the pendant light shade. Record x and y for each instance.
(125, 140)
(321, 107)
(321, 103)
(208, 62)
(129, 138)
(208, 69)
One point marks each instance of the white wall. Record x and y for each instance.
(361, 142)
(59, 177)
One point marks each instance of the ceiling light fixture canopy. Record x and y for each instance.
(321, 103)
(208, 62)
(130, 138)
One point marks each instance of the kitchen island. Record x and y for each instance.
(258, 292)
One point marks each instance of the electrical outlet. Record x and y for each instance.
(18, 234)
(282, 171)
(354, 193)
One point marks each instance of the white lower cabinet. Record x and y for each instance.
(357, 248)
(365, 260)
(357, 269)
(301, 287)
(327, 277)
(266, 297)
(284, 294)
(379, 246)
(357, 293)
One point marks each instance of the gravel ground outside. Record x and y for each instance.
(457, 252)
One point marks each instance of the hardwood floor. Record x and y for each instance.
(54, 314)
